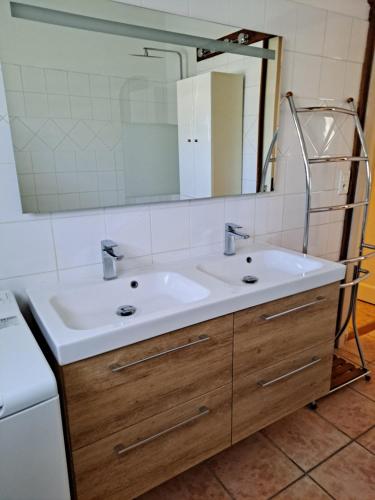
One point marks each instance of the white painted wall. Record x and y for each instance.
(324, 51)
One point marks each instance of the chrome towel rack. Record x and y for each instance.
(359, 274)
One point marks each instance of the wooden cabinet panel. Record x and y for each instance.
(259, 343)
(266, 396)
(177, 367)
(172, 442)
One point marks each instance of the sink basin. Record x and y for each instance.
(94, 306)
(82, 320)
(266, 266)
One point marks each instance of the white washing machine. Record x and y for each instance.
(32, 454)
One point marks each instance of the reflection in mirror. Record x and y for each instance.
(100, 119)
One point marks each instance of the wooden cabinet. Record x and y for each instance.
(210, 116)
(139, 415)
(263, 397)
(115, 390)
(130, 462)
(268, 333)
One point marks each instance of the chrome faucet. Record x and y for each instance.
(231, 234)
(109, 259)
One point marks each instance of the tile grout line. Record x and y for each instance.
(320, 486)
(308, 471)
(220, 482)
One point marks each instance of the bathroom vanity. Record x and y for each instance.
(144, 400)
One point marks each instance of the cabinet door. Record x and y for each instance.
(185, 112)
(266, 334)
(202, 135)
(268, 395)
(117, 389)
(132, 461)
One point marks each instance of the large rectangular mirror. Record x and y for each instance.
(111, 104)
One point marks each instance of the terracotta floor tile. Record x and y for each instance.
(254, 469)
(368, 345)
(349, 474)
(349, 411)
(306, 437)
(368, 440)
(197, 483)
(303, 489)
(366, 387)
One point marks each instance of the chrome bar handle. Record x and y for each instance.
(117, 367)
(269, 317)
(121, 449)
(314, 361)
(367, 245)
(358, 259)
(366, 274)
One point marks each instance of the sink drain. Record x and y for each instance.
(249, 279)
(126, 310)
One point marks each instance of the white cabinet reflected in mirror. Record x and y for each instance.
(133, 106)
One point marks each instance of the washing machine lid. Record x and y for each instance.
(26, 379)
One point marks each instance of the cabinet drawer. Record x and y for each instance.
(268, 333)
(117, 389)
(132, 461)
(268, 395)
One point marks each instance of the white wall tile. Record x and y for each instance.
(172, 6)
(247, 14)
(268, 214)
(59, 106)
(241, 210)
(294, 211)
(77, 240)
(169, 228)
(27, 184)
(131, 230)
(306, 75)
(45, 183)
(311, 26)
(16, 103)
(281, 19)
(271, 238)
(99, 86)
(206, 222)
(12, 77)
(337, 35)
(352, 80)
(293, 239)
(79, 84)
(56, 81)
(318, 239)
(30, 246)
(356, 8)
(332, 79)
(214, 10)
(358, 40)
(33, 79)
(295, 181)
(42, 161)
(6, 145)
(36, 105)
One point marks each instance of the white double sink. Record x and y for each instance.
(83, 321)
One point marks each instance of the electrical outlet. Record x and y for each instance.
(343, 182)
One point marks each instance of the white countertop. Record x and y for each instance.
(71, 339)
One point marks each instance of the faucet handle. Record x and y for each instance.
(108, 244)
(231, 225)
